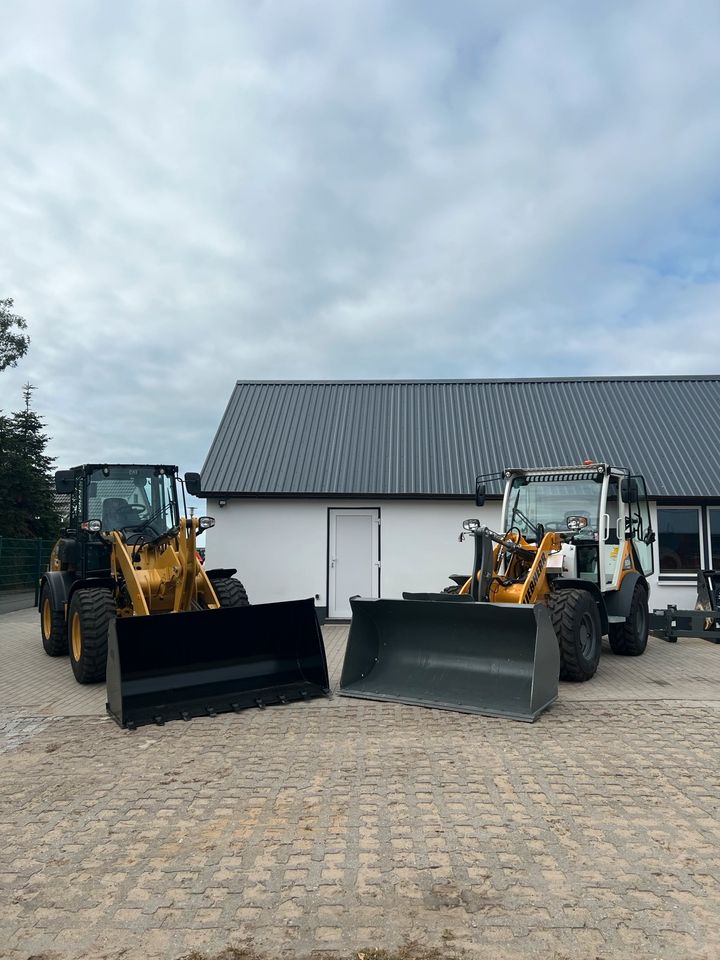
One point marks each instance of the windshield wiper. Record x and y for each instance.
(517, 512)
(160, 512)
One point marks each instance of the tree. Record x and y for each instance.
(13, 345)
(27, 488)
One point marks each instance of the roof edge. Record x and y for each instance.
(314, 495)
(644, 378)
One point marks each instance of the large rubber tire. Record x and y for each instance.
(230, 592)
(53, 628)
(576, 620)
(91, 610)
(630, 639)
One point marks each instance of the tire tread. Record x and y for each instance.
(622, 637)
(56, 645)
(562, 607)
(230, 592)
(96, 607)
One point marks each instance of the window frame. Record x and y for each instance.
(710, 560)
(680, 577)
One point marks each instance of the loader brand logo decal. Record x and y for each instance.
(535, 577)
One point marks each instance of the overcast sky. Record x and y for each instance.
(195, 193)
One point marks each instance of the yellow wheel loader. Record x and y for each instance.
(570, 566)
(127, 597)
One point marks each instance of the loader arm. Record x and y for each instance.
(192, 579)
(536, 586)
(164, 577)
(525, 577)
(130, 574)
(185, 583)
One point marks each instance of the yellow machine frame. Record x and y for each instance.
(535, 585)
(164, 577)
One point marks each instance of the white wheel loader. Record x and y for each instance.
(570, 565)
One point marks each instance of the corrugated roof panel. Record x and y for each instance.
(424, 438)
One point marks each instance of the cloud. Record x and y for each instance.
(194, 194)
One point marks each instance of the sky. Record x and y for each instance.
(195, 193)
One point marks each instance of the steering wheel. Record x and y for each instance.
(509, 545)
(147, 535)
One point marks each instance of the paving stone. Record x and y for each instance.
(340, 825)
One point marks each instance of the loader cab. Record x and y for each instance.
(138, 500)
(601, 511)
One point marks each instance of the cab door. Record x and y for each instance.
(643, 535)
(613, 536)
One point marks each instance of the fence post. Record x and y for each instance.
(38, 571)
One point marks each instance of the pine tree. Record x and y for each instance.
(26, 481)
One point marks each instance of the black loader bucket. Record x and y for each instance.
(497, 659)
(180, 665)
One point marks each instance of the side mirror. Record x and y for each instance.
(629, 490)
(576, 523)
(65, 481)
(192, 482)
(480, 495)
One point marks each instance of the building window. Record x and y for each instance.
(679, 540)
(714, 520)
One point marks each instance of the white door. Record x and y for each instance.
(354, 557)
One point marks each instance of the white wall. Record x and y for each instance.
(280, 547)
(419, 546)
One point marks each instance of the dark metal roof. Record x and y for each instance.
(412, 438)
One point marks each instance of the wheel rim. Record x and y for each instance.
(46, 619)
(587, 636)
(76, 637)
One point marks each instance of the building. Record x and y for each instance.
(329, 489)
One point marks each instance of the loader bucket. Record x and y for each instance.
(180, 665)
(497, 659)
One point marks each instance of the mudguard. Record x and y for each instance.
(59, 584)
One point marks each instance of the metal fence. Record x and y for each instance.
(21, 564)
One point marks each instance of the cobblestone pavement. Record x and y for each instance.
(337, 826)
(43, 686)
